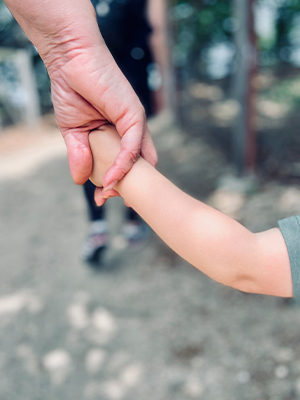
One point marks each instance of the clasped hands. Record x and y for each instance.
(88, 89)
(105, 144)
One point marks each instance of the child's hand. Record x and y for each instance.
(105, 144)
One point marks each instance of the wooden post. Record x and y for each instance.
(32, 111)
(244, 138)
(30, 108)
(160, 45)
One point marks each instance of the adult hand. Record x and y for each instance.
(88, 88)
(88, 92)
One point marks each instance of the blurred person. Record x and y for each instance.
(88, 88)
(267, 262)
(133, 31)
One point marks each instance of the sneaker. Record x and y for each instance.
(95, 243)
(136, 233)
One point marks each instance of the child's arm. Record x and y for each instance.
(211, 241)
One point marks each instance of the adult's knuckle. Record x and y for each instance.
(133, 155)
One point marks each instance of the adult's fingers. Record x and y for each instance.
(135, 141)
(80, 156)
(148, 151)
(129, 153)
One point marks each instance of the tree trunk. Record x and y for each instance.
(244, 138)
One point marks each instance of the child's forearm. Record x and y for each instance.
(211, 241)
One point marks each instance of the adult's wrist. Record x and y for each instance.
(58, 27)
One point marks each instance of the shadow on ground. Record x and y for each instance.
(148, 326)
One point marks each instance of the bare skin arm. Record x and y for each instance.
(88, 89)
(211, 241)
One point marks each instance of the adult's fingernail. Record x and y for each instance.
(109, 187)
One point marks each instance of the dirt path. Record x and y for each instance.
(146, 326)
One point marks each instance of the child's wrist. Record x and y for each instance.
(124, 182)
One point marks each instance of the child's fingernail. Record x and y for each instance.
(111, 186)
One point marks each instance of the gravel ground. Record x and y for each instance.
(146, 325)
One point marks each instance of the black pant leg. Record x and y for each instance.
(94, 211)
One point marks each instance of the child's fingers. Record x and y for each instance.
(109, 193)
(99, 200)
(101, 196)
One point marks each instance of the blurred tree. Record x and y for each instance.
(207, 30)
(13, 38)
(11, 34)
(203, 24)
(287, 29)
(244, 138)
(200, 24)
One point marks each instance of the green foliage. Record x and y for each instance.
(208, 20)
(11, 35)
(287, 14)
(285, 92)
(199, 24)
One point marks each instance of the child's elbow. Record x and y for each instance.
(246, 283)
(240, 281)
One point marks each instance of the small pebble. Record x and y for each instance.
(281, 371)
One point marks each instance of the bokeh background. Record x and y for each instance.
(145, 324)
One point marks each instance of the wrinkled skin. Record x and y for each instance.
(87, 100)
(88, 88)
